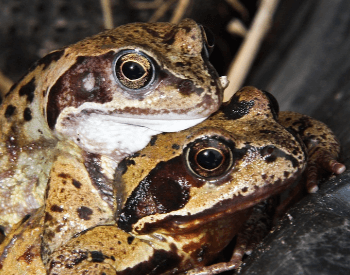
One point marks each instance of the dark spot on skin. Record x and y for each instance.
(175, 146)
(271, 153)
(63, 175)
(268, 153)
(84, 213)
(130, 239)
(69, 90)
(124, 164)
(301, 125)
(135, 155)
(153, 140)
(179, 64)
(75, 258)
(48, 217)
(264, 176)
(159, 192)
(49, 58)
(245, 189)
(28, 90)
(28, 255)
(97, 256)
(59, 228)
(286, 174)
(27, 114)
(56, 208)
(76, 183)
(236, 109)
(10, 110)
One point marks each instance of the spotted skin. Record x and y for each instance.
(172, 213)
(79, 101)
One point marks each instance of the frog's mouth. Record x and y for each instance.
(115, 136)
(161, 125)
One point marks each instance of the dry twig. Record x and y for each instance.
(107, 14)
(179, 11)
(243, 61)
(235, 26)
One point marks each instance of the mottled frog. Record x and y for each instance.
(181, 199)
(97, 101)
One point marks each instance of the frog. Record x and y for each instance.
(97, 101)
(185, 196)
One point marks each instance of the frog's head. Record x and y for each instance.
(127, 84)
(238, 157)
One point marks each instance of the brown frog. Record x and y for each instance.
(181, 199)
(88, 105)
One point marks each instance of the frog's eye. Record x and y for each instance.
(209, 157)
(209, 41)
(134, 69)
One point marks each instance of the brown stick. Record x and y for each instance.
(246, 54)
(107, 14)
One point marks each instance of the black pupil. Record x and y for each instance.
(209, 159)
(133, 70)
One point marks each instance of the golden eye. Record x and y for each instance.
(209, 157)
(134, 69)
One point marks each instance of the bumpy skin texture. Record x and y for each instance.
(85, 107)
(180, 200)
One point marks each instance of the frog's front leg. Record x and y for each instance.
(79, 196)
(322, 146)
(110, 250)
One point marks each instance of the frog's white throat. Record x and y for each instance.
(117, 137)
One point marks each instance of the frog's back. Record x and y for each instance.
(25, 149)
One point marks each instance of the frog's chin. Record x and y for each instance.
(117, 137)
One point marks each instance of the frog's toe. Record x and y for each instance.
(335, 167)
(316, 166)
